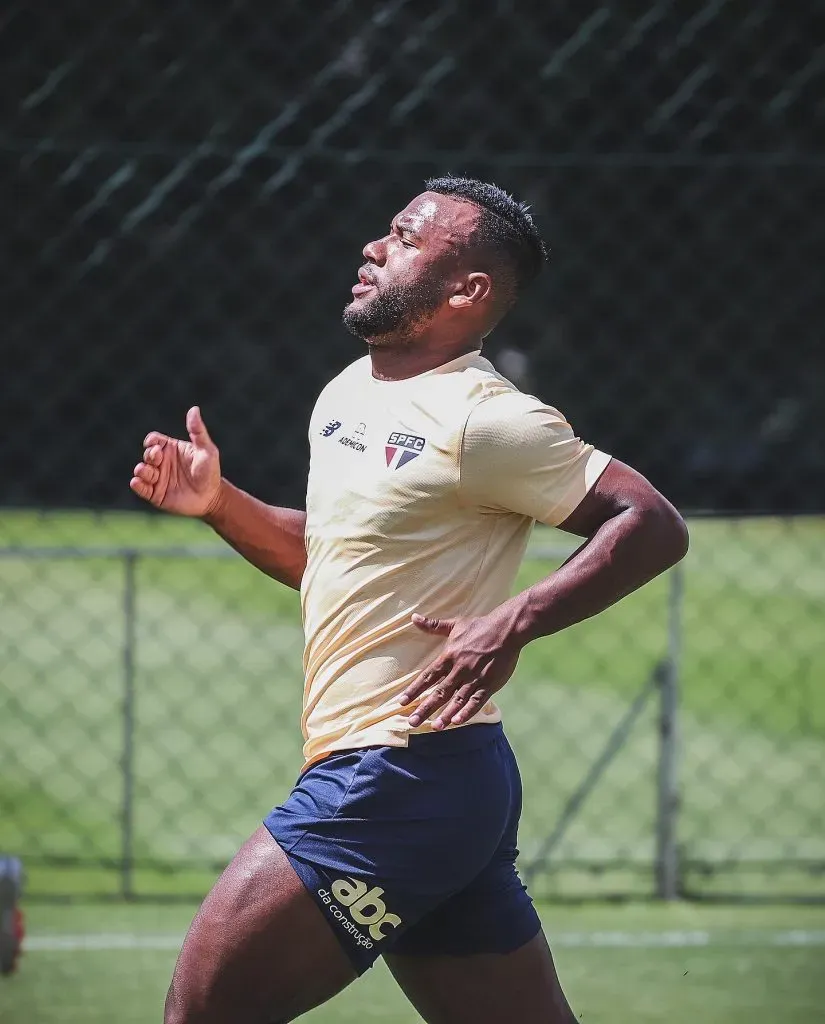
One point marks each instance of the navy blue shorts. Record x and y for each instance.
(412, 849)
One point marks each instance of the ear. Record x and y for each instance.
(475, 288)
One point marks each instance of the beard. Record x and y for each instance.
(395, 313)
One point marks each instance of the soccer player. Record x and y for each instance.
(427, 472)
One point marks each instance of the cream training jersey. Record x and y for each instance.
(421, 497)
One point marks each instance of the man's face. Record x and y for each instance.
(411, 272)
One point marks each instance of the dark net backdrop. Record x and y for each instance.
(185, 190)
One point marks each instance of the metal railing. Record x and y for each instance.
(663, 680)
(156, 663)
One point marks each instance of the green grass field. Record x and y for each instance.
(628, 965)
(217, 689)
(216, 654)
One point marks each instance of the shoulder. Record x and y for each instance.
(327, 406)
(470, 383)
(350, 376)
(482, 380)
(500, 408)
(503, 407)
(492, 395)
(488, 408)
(359, 370)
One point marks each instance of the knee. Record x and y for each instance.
(173, 1009)
(185, 1007)
(181, 1008)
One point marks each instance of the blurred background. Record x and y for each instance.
(185, 190)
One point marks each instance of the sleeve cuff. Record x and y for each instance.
(597, 463)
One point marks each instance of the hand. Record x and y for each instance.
(477, 660)
(183, 477)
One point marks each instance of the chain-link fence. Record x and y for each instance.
(186, 190)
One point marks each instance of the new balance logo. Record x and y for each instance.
(331, 427)
(365, 907)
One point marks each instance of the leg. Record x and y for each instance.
(486, 988)
(259, 950)
(481, 956)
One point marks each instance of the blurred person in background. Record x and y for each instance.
(428, 469)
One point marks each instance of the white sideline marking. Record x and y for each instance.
(685, 939)
(94, 942)
(592, 940)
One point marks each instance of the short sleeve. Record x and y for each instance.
(519, 455)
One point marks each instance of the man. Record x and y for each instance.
(427, 472)
(12, 931)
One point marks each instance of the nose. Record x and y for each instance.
(375, 252)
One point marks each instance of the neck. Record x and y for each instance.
(409, 361)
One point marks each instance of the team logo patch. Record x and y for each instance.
(402, 448)
(354, 906)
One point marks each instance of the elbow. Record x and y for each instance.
(673, 538)
(681, 538)
(662, 530)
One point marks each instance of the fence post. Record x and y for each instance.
(127, 759)
(667, 849)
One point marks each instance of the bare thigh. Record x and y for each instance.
(521, 987)
(259, 950)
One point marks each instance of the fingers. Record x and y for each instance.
(469, 706)
(441, 693)
(198, 434)
(456, 702)
(147, 473)
(144, 478)
(141, 489)
(443, 627)
(441, 667)
(154, 455)
(424, 680)
(150, 476)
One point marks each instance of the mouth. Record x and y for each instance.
(361, 289)
(365, 282)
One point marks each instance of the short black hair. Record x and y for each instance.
(505, 229)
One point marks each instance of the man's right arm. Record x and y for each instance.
(271, 538)
(184, 478)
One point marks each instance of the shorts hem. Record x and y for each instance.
(313, 880)
(498, 948)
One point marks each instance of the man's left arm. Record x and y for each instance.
(633, 533)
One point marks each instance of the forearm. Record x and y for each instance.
(271, 538)
(626, 552)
